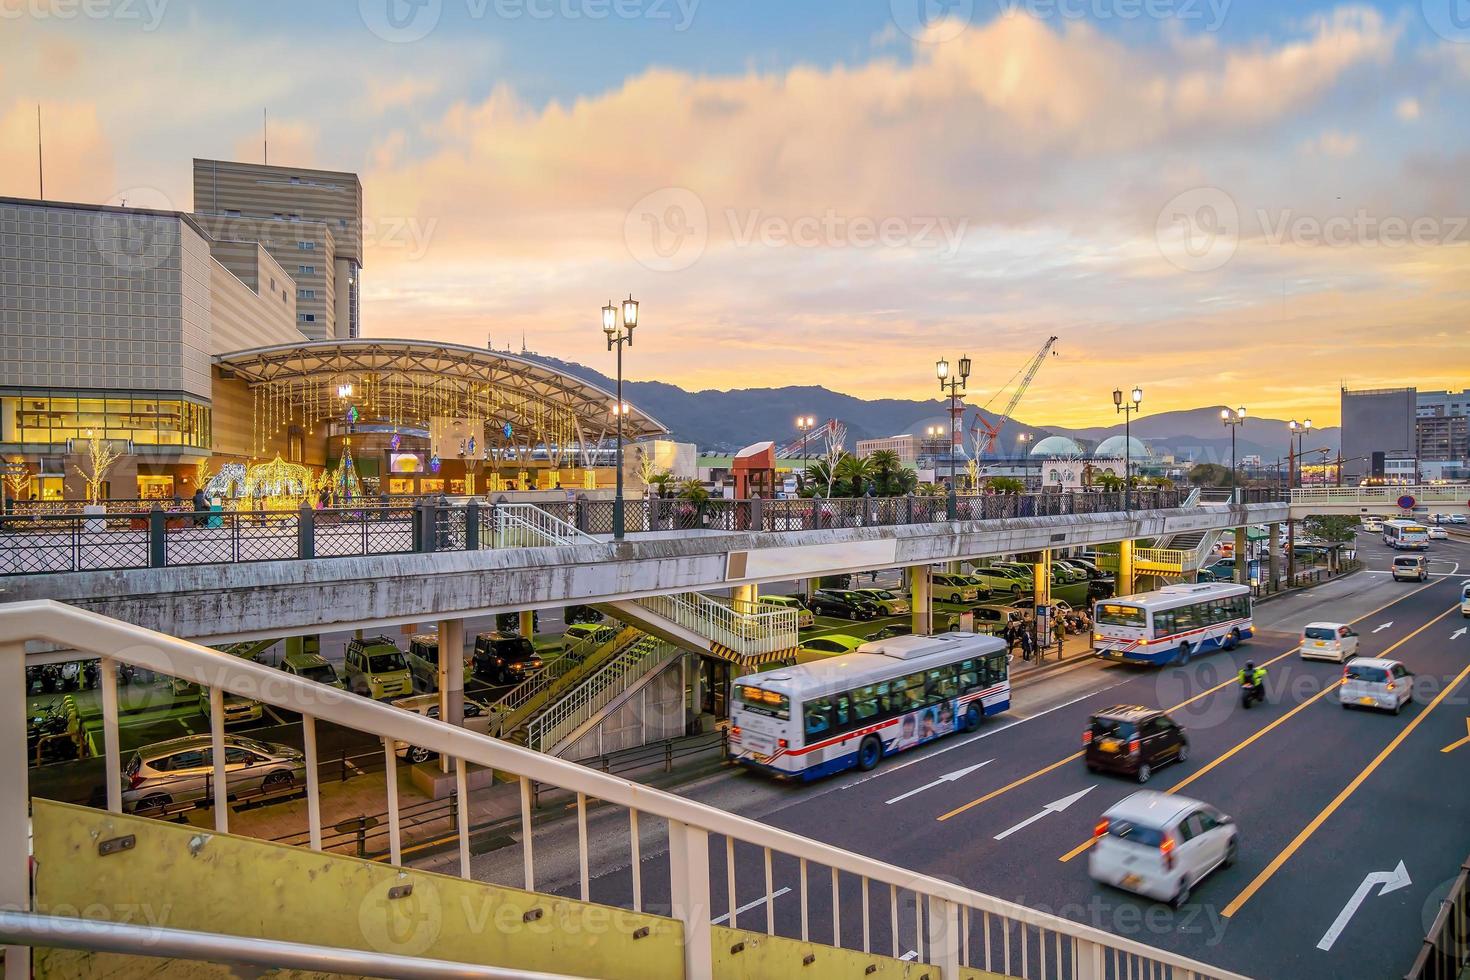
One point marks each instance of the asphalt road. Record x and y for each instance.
(1323, 797)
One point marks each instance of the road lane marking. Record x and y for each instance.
(948, 777)
(1386, 881)
(1217, 761)
(1458, 633)
(1362, 777)
(1077, 755)
(739, 909)
(1387, 625)
(1055, 806)
(1464, 741)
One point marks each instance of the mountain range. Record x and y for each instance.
(725, 421)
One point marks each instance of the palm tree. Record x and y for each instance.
(1005, 485)
(660, 482)
(818, 479)
(853, 474)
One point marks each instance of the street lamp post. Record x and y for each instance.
(1025, 439)
(1232, 419)
(619, 334)
(1293, 476)
(953, 385)
(1127, 407)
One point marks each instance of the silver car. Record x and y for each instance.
(181, 771)
(1372, 683)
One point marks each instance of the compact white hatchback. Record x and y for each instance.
(1329, 641)
(1437, 533)
(1161, 846)
(1369, 683)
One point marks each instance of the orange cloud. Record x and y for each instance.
(78, 156)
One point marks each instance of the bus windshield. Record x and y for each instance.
(764, 702)
(1113, 614)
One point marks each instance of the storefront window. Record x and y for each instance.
(55, 419)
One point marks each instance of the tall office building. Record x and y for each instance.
(1379, 421)
(310, 221)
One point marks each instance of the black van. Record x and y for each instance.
(502, 658)
(1132, 740)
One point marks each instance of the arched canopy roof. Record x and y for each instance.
(514, 385)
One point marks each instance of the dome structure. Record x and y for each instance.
(1113, 448)
(1056, 446)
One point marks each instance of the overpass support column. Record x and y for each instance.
(746, 593)
(528, 623)
(451, 677)
(921, 600)
(1273, 559)
(1041, 591)
(1242, 559)
(1125, 568)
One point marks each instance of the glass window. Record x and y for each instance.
(970, 675)
(818, 717)
(841, 712)
(1163, 623)
(1115, 614)
(865, 702)
(997, 669)
(1138, 833)
(181, 760)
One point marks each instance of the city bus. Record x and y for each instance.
(1406, 535)
(1172, 624)
(889, 695)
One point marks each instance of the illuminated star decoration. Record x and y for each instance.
(352, 414)
(394, 443)
(434, 463)
(506, 430)
(472, 445)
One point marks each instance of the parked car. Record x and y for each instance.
(944, 587)
(1000, 580)
(804, 617)
(1091, 568)
(843, 604)
(1329, 641)
(581, 639)
(1376, 683)
(831, 645)
(374, 667)
(1161, 846)
(505, 658)
(1100, 589)
(314, 667)
(1410, 568)
(1064, 573)
(181, 770)
(1132, 740)
(238, 708)
(889, 603)
(1459, 519)
(423, 661)
(477, 718)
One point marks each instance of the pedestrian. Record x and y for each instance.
(873, 576)
(1010, 637)
(201, 506)
(1028, 643)
(1059, 633)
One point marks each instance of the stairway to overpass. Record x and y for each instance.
(523, 909)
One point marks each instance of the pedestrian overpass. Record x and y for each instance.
(1388, 501)
(98, 891)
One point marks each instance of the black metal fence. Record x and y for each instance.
(1445, 954)
(33, 544)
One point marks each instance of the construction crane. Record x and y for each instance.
(987, 432)
(830, 433)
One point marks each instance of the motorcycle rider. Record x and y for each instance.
(1255, 677)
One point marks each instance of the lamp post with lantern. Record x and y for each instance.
(1023, 441)
(1127, 406)
(1293, 476)
(619, 333)
(953, 383)
(1232, 418)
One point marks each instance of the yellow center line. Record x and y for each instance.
(1341, 798)
(1196, 775)
(1182, 704)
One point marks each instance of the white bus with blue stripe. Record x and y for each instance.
(1173, 624)
(852, 710)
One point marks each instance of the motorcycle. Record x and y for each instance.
(47, 737)
(1251, 692)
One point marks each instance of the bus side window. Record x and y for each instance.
(818, 715)
(969, 676)
(940, 684)
(1163, 623)
(995, 669)
(913, 691)
(865, 702)
(841, 712)
(886, 702)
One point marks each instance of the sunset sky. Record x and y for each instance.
(1250, 202)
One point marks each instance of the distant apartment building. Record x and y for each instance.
(110, 318)
(1442, 403)
(1442, 426)
(310, 221)
(907, 446)
(1376, 421)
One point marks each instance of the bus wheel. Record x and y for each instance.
(869, 753)
(973, 717)
(1184, 654)
(1233, 640)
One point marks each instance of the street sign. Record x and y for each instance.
(1407, 502)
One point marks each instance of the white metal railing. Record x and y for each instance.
(746, 633)
(528, 526)
(545, 731)
(572, 658)
(948, 918)
(1384, 496)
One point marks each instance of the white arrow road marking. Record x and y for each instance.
(1458, 633)
(1390, 880)
(1055, 806)
(1384, 626)
(750, 905)
(948, 777)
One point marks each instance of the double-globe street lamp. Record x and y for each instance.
(1023, 441)
(804, 424)
(953, 385)
(1127, 406)
(618, 334)
(1232, 418)
(1293, 465)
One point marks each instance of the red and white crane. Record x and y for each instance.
(986, 433)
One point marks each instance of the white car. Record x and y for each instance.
(1437, 533)
(1411, 568)
(1329, 641)
(1160, 845)
(1370, 683)
(1372, 524)
(477, 718)
(1459, 519)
